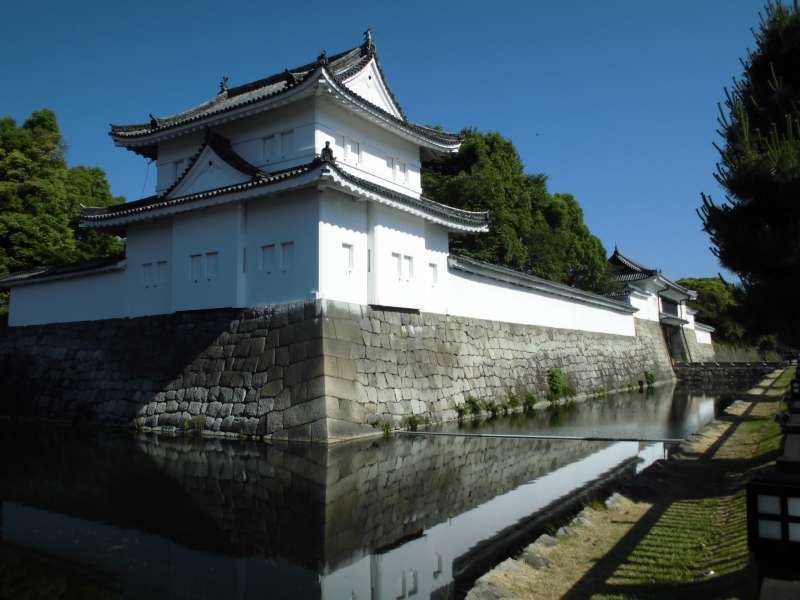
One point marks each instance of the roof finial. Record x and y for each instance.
(327, 153)
(369, 44)
(322, 59)
(291, 78)
(153, 121)
(223, 84)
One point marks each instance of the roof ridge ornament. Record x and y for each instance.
(223, 85)
(291, 78)
(322, 59)
(153, 121)
(369, 43)
(327, 154)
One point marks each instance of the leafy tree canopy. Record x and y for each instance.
(532, 230)
(716, 304)
(756, 233)
(40, 199)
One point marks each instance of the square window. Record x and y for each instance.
(268, 258)
(196, 267)
(287, 255)
(390, 165)
(355, 152)
(769, 505)
(348, 258)
(212, 265)
(402, 172)
(770, 530)
(793, 506)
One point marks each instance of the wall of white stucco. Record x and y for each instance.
(380, 152)
(703, 337)
(272, 225)
(472, 296)
(88, 298)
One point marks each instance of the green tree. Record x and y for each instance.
(756, 233)
(40, 199)
(716, 305)
(532, 230)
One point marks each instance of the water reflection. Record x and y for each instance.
(399, 518)
(660, 413)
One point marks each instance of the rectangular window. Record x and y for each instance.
(268, 148)
(268, 258)
(162, 273)
(369, 260)
(287, 255)
(338, 141)
(287, 144)
(348, 258)
(212, 265)
(402, 172)
(196, 267)
(147, 274)
(244, 259)
(408, 268)
(434, 269)
(390, 165)
(355, 152)
(398, 265)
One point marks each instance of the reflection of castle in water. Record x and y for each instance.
(206, 518)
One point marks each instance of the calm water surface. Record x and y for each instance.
(113, 516)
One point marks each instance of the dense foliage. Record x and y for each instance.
(40, 199)
(532, 230)
(716, 305)
(756, 233)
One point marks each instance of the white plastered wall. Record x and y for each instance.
(271, 223)
(88, 298)
(480, 298)
(376, 146)
(249, 138)
(647, 306)
(149, 247)
(703, 337)
(203, 234)
(343, 248)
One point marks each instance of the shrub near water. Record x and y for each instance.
(558, 386)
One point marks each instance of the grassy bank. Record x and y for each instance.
(680, 532)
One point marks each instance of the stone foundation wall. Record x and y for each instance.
(730, 377)
(310, 371)
(698, 352)
(255, 372)
(388, 365)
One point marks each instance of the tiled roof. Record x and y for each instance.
(338, 67)
(628, 269)
(474, 221)
(58, 271)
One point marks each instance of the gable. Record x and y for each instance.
(370, 85)
(209, 171)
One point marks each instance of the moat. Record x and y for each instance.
(115, 515)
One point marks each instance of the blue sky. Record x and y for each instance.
(615, 101)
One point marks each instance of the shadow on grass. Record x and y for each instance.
(693, 541)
